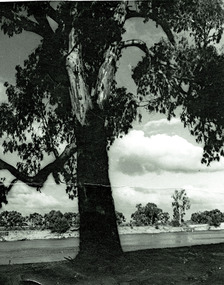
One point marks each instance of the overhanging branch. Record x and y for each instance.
(52, 13)
(38, 180)
(163, 23)
(23, 22)
(136, 43)
(29, 25)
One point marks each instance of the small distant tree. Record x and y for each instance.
(71, 218)
(36, 220)
(148, 215)
(216, 218)
(51, 217)
(164, 218)
(120, 218)
(11, 219)
(3, 218)
(60, 225)
(180, 204)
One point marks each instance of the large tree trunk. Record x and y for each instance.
(98, 229)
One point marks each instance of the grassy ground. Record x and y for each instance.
(185, 265)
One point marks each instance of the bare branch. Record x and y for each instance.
(52, 13)
(39, 179)
(136, 43)
(44, 25)
(108, 68)
(29, 25)
(106, 75)
(133, 14)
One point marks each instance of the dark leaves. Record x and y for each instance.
(120, 111)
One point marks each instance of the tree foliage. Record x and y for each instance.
(149, 215)
(60, 225)
(11, 219)
(54, 220)
(120, 218)
(213, 217)
(66, 92)
(180, 204)
(72, 218)
(182, 70)
(36, 220)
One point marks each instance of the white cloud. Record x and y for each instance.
(27, 200)
(126, 198)
(3, 97)
(137, 154)
(201, 199)
(162, 122)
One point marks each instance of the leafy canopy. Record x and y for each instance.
(182, 73)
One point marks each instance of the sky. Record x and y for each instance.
(147, 165)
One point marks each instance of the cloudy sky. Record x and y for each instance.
(147, 165)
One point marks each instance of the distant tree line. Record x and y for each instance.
(148, 215)
(213, 217)
(54, 220)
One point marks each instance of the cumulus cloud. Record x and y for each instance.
(126, 198)
(27, 200)
(137, 154)
(30, 198)
(162, 122)
(163, 126)
(201, 199)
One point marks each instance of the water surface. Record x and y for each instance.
(29, 251)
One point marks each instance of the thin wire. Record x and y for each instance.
(137, 186)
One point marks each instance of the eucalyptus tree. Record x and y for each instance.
(181, 203)
(67, 89)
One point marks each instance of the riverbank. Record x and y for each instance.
(194, 265)
(47, 234)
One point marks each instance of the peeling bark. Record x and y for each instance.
(108, 69)
(79, 93)
(121, 13)
(106, 75)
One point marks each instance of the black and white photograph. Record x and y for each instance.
(112, 142)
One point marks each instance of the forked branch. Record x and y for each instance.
(38, 180)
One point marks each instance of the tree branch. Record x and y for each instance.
(41, 18)
(136, 43)
(29, 25)
(79, 91)
(39, 179)
(22, 21)
(41, 27)
(163, 23)
(52, 13)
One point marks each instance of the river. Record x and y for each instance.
(29, 251)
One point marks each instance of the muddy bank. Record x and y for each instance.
(46, 234)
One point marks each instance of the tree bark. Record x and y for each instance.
(99, 238)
